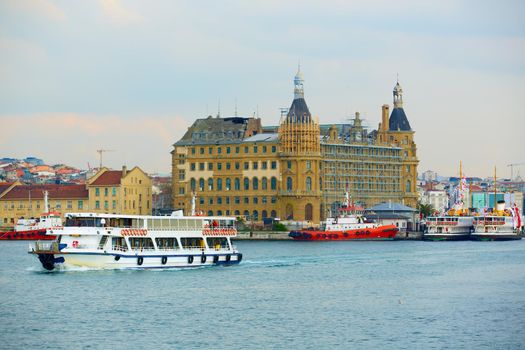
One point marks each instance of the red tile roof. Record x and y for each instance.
(55, 192)
(108, 178)
(4, 186)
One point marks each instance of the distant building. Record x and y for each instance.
(108, 191)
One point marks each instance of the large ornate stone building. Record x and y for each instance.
(298, 171)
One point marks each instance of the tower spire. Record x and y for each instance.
(398, 95)
(298, 84)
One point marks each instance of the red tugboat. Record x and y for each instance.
(352, 225)
(34, 229)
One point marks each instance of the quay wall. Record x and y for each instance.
(283, 236)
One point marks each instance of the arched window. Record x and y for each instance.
(210, 212)
(273, 214)
(264, 214)
(289, 212)
(237, 184)
(309, 212)
(255, 215)
(273, 183)
(255, 183)
(308, 184)
(228, 184)
(219, 212)
(408, 188)
(264, 183)
(201, 185)
(237, 213)
(246, 214)
(289, 184)
(210, 184)
(193, 184)
(246, 183)
(219, 184)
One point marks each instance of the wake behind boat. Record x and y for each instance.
(113, 241)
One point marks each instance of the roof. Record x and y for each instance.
(398, 120)
(391, 207)
(263, 138)
(54, 191)
(387, 216)
(108, 178)
(298, 112)
(4, 186)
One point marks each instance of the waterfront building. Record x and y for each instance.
(108, 191)
(298, 171)
(438, 199)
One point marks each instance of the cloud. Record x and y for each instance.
(41, 8)
(114, 10)
(70, 138)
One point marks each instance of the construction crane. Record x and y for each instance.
(100, 151)
(512, 169)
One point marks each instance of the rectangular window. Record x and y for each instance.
(227, 166)
(255, 200)
(219, 200)
(274, 164)
(228, 150)
(114, 204)
(264, 200)
(193, 151)
(245, 149)
(106, 205)
(274, 200)
(201, 166)
(264, 149)
(237, 200)
(237, 149)
(219, 150)
(192, 166)
(289, 164)
(97, 204)
(201, 201)
(114, 191)
(246, 200)
(274, 149)
(210, 201)
(201, 150)
(106, 191)
(219, 166)
(227, 200)
(308, 165)
(210, 166)
(246, 165)
(70, 204)
(264, 165)
(58, 205)
(255, 149)
(237, 165)
(210, 150)
(255, 165)
(80, 205)
(97, 191)
(181, 190)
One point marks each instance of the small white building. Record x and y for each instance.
(437, 198)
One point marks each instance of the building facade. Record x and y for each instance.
(298, 171)
(108, 191)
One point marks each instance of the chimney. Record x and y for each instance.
(384, 118)
(124, 170)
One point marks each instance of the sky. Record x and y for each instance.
(131, 76)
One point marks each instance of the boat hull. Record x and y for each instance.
(500, 236)
(446, 237)
(94, 260)
(387, 232)
(30, 235)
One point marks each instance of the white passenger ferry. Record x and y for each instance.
(134, 241)
(453, 226)
(498, 224)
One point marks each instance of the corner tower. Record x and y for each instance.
(300, 157)
(401, 134)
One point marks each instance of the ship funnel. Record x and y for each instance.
(46, 202)
(500, 206)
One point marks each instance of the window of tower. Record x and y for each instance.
(289, 164)
(264, 183)
(273, 183)
(228, 184)
(210, 184)
(193, 184)
(201, 184)
(246, 183)
(255, 183)
(237, 184)
(289, 184)
(308, 165)
(219, 184)
(308, 183)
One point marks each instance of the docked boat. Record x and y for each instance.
(453, 226)
(111, 241)
(499, 224)
(350, 225)
(35, 228)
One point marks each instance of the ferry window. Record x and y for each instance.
(167, 243)
(141, 243)
(192, 242)
(119, 243)
(217, 243)
(102, 242)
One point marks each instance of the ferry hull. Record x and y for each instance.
(505, 236)
(50, 260)
(387, 232)
(31, 235)
(446, 237)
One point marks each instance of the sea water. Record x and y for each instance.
(284, 295)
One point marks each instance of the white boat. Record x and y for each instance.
(453, 226)
(498, 224)
(112, 241)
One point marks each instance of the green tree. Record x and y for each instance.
(425, 209)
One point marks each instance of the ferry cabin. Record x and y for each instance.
(150, 241)
(450, 224)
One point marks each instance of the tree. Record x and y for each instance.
(425, 209)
